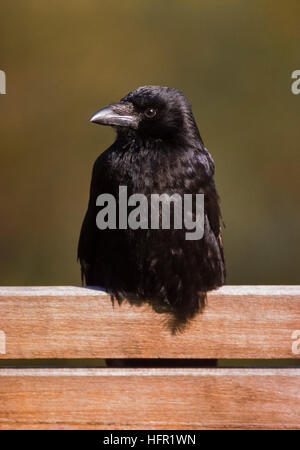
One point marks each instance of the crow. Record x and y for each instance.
(158, 150)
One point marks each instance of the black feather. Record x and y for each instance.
(164, 154)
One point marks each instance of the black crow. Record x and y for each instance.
(158, 150)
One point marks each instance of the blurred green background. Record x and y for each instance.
(65, 60)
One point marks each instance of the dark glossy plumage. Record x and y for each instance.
(160, 154)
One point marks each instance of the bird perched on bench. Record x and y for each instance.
(158, 150)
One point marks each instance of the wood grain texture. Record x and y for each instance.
(74, 322)
(149, 399)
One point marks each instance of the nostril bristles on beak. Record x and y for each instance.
(118, 114)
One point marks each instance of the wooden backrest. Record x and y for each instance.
(71, 322)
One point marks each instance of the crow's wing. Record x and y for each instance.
(90, 237)
(212, 207)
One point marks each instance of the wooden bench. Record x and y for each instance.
(61, 324)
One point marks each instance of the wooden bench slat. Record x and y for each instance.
(149, 399)
(75, 322)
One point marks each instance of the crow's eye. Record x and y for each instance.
(150, 112)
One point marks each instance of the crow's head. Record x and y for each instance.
(151, 112)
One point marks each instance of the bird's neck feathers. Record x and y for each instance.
(188, 137)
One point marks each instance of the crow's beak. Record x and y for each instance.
(117, 114)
